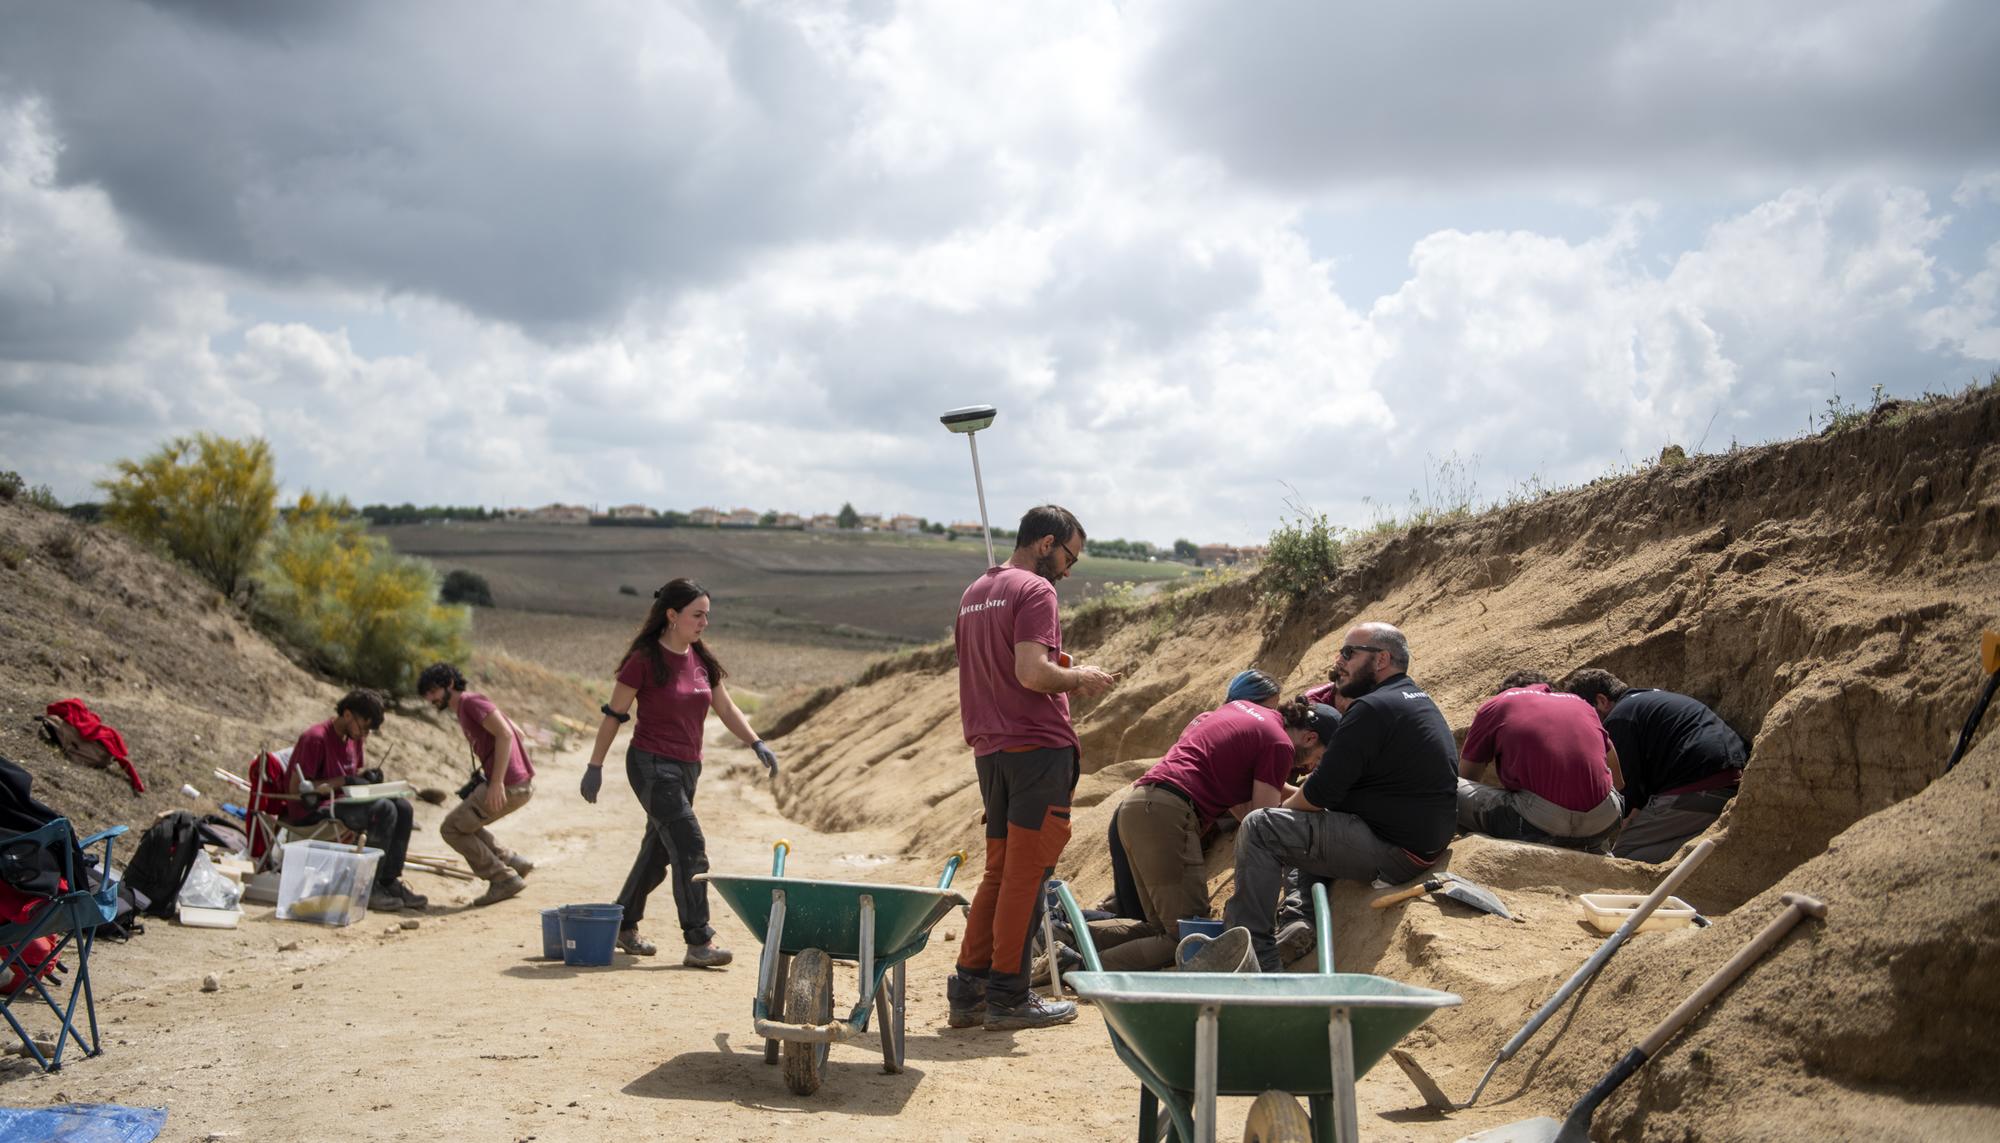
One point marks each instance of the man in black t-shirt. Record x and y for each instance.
(1382, 804)
(1682, 763)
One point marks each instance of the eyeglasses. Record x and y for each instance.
(1074, 554)
(1351, 650)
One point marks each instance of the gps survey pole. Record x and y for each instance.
(969, 420)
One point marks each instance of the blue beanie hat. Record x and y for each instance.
(1251, 686)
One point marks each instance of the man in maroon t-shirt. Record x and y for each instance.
(326, 759)
(1013, 697)
(1559, 776)
(504, 783)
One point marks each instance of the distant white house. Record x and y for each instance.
(824, 522)
(705, 517)
(789, 520)
(962, 528)
(632, 512)
(907, 524)
(740, 518)
(870, 523)
(560, 514)
(1219, 555)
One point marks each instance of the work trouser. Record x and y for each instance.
(1667, 821)
(665, 787)
(1161, 835)
(1328, 844)
(387, 822)
(1027, 825)
(1523, 815)
(464, 829)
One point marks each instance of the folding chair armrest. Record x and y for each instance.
(100, 835)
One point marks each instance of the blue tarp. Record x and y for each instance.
(81, 1123)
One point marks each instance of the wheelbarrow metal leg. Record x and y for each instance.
(1340, 1046)
(777, 1002)
(902, 995)
(1206, 1034)
(1049, 946)
(885, 1002)
(867, 935)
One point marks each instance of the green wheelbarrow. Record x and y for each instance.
(1192, 1036)
(807, 925)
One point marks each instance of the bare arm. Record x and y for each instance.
(1263, 796)
(1470, 770)
(725, 708)
(607, 730)
(1036, 671)
(1299, 801)
(1617, 771)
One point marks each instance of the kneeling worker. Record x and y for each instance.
(327, 758)
(1682, 763)
(1558, 772)
(1230, 760)
(505, 784)
(1382, 803)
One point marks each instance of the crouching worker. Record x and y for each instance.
(1231, 760)
(1682, 763)
(1381, 805)
(503, 784)
(1559, 776)
(327, 758)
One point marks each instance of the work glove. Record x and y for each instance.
(765, 756)
(593, 779)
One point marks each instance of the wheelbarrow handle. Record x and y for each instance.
(958, 857)
(779, 849)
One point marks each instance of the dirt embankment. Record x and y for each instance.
(86, 613)
(1824, 595)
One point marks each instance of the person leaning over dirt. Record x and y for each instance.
(1013, 699)
(1381, 805)
(1559, 776)
(504, 784)
(676, 681)
(327, 758)
(1682, 763)
(1232, 760)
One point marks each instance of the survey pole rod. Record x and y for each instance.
(973, 440)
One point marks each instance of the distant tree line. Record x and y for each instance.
(380, 514)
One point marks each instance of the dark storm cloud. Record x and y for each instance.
(1311, 94)
(547, 169)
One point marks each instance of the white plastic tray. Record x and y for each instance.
(1607, 911)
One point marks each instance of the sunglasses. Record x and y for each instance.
(1351, 650)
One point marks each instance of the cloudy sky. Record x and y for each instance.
(1200, 255)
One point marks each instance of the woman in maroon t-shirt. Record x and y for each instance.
(676, 681)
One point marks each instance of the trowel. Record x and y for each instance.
(1448, 885)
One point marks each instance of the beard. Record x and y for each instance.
(443, 704)
(1045, 566)
(1360, 680)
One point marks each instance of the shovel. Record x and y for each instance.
(1448, 885)
(1575, 1128)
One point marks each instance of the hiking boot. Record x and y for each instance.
(520, 865)
(395, 896)
(1033, 1012)
(967, 998)
(1295, 940)
(630, 941)
(710, 955)
(500, 888)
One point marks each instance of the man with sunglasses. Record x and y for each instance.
(1381, 805)
(1014, 684)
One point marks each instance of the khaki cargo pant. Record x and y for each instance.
(464, 829)
(1162, 839)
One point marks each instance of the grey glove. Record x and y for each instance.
(593, 779)
(765, 756)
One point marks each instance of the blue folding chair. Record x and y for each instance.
(72, 915)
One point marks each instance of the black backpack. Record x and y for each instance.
(166, 853)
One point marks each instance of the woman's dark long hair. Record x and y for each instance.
(677, 595)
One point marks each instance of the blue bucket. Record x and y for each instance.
(590, 933)
(552, 934)
(1202, 925)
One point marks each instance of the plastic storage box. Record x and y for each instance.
(1607, 911)
(325, 883)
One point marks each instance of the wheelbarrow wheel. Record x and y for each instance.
(1277, 1118)
(808, 1000)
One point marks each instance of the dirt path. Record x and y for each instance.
(458, 1030)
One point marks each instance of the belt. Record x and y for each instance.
(1176, 791)
(1727, 776)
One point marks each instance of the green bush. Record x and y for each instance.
(208, 500)
(461, 586)
(1304, 555)
(362, 612)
